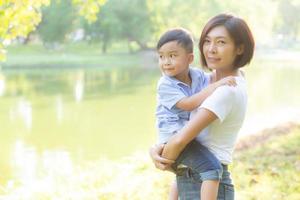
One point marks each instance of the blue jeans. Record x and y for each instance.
(200, 160)
(189, 184)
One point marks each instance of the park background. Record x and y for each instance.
(77, 97)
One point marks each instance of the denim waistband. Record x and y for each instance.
(225, 167)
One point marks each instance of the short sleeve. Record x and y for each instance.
(220, 102)
(169, 94)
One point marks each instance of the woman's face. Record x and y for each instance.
(220, 50)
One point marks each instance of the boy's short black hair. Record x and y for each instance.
(182, 36)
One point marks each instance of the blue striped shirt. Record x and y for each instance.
(170, 119)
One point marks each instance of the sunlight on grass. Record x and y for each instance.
(269, 171)
(52, 175)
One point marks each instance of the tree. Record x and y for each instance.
(57, 20)
(135, 24)
(19, 18)
(89, 8)
(288, 19)
(131, 21)
(105, 29)
(126, 20)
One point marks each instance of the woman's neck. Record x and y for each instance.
(218, 74)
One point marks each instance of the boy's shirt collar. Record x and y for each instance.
(179, 83)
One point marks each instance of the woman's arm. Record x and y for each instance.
(177, 143)
(160, 163)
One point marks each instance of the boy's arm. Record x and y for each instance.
(178, 141)
(192, 102)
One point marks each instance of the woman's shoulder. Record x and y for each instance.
(200, 74)
(232, 93)
(227, 93)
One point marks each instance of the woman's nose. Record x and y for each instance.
(212, 48)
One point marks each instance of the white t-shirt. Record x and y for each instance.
(229, 105)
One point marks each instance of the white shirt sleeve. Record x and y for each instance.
(220, 102)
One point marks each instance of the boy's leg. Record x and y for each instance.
(174, 191)
(189, 184)
(200, 160)
(203, 163)
(209, 190)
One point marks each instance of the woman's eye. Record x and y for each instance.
(173, 55)
(206, 41)
(221, 42)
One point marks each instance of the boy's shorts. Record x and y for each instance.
(189, 183)
(200, 160)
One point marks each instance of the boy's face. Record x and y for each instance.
(174, 60)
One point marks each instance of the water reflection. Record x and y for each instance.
(79, 86)
(56, 163)
(76, 83)
(24, 162)
(38, 171)
(22, 110)
(2, 84)
(59, 109)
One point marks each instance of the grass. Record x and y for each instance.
(71, 55)
(267, 171)
(270, 170)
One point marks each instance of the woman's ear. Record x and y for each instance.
(191, 58)
(240, 49)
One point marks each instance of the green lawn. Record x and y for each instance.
(71, 55)
(267, 171)
(270, 170)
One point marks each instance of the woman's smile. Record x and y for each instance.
(213, 59)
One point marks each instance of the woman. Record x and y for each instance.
(226, 44)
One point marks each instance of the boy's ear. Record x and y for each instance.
(191, 58)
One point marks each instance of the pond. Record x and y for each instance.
(78, 115)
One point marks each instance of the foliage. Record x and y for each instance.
(126, 20)
(193, 14)
(105, 29)
(288, 20)
(89, 8)
(57, 20)
(139, 23)
(18, 18)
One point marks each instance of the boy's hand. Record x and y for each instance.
(229, 80)
(160, 162)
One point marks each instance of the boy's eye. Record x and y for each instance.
(221, 42)
(160, 56)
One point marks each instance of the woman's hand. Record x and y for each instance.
(160, 162)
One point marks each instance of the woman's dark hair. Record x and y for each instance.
(239, 32)
(182, 36)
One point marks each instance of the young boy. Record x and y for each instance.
(180, 90)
